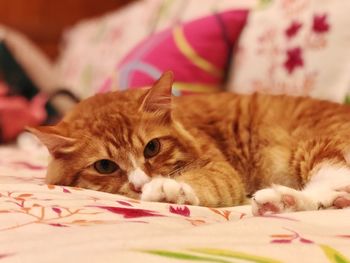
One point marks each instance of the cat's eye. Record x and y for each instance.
(152, 148)
(105, 166)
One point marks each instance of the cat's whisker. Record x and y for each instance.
(87, 137)
(180, 168)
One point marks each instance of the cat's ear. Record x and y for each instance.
(53, 139)
(158, 98)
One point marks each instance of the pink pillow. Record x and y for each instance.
(198, 53)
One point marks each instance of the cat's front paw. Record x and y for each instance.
(279, 199)
(169, 190)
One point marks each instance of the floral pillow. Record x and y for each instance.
(198, 53)
(296, 47)
(93, 50)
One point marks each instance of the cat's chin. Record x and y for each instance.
(134, 189)
(130, 191)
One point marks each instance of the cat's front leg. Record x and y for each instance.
(168, 190)
(216, 184)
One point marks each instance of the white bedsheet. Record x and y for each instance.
(43, 223)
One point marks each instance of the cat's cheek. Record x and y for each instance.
(55, 171)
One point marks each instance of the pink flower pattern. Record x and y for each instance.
(289, 238)
(131, 212)
(280, 56)
(294, 59)
(320, 24)
(183, 211)
(293, 29)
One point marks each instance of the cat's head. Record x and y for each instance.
(116, 142)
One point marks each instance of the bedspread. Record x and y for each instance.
(46, 223)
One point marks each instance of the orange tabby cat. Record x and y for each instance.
(210, 150)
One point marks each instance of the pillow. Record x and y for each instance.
(91, 48)
(94, 47)
(198, 52)
(295, 47)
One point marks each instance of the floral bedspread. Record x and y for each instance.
(46, 223)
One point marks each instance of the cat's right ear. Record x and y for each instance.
(158, 97)
(157, 100)
(53, 139)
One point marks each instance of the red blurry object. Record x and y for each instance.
(16, 112)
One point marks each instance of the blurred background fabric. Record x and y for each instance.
(44, 21)
(30, 42)
(298, 47)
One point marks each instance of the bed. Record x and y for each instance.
(47, 223)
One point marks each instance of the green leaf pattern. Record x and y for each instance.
(227, 256)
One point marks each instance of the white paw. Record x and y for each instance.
(343, 200)
(168, 190)
(278, 199)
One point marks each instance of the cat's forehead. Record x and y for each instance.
(107, 125)
(113, 118)
(106, 104)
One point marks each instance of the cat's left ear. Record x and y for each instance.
(53, 139)
(158, 98)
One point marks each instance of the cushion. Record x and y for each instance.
(93, 49)
(197, 52)
(304, 53)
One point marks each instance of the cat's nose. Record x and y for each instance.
(137, 178)
(135, 188)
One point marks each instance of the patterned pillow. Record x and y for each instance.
(93, 48)
(198, 53)
(306, 52)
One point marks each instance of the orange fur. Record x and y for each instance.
(225, 146)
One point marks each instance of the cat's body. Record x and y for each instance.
(211, 150)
